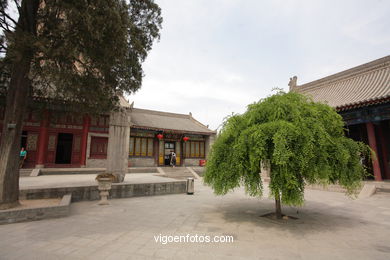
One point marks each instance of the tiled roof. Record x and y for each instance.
(360, 86)
(123, 102)
(157, 120)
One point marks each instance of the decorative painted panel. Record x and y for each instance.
(196, 137)
(77, 143)
(142, 134)
(32, 140)
(172, 137)
(51, 146)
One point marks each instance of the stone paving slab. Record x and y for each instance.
(330, 226)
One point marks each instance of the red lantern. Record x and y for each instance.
(160, 136)
(185, 138)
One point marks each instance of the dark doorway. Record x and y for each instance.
(64, 148)
(168, 148)
(23, 142)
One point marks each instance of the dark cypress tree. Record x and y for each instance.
(79, 52)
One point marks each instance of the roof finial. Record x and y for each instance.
(190, 114)
(293, 83)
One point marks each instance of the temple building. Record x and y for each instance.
(361, 95)
(67, 139)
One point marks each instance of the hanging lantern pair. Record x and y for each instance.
(186, 138)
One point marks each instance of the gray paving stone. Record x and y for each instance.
(330, 226)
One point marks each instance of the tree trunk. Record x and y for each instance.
(16, 102)
(10, 142)
(278, 207)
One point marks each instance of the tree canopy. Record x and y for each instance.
(82, 52)
(79, 53)
(303, 142)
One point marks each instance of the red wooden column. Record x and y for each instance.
(372, 144)
(383, 141)
(42, 141)
(84, 140)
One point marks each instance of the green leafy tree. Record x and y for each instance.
(78, 52)
(302, 142)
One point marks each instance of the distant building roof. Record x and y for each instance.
(359, 86)
(123, 102)
(157, 120)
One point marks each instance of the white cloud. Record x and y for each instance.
(216, 57)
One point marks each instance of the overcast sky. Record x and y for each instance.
(217, 56)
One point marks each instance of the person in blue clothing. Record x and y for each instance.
(22, 157)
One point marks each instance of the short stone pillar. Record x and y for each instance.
(118, 144)
(104, 189)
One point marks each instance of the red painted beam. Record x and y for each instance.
(42, 141)
(84, 140)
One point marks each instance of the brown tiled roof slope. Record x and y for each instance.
(157, 120)
(360, 86)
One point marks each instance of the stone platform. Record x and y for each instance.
(84, 187)
(30, 210)
(38, 194)
(32, 172)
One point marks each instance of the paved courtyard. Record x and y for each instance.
(330, 226)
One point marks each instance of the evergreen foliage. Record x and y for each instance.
(303, 142)
(77, 55)
(83, 52)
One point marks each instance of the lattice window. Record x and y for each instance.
(98, 147)
(194, 149)
(141, 146)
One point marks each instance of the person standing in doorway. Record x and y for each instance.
(22, 157)
(173, 159)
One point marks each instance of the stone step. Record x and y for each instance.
(142, 170)
(177, 172)
(25, 172)
(175, 169)
(383, 190)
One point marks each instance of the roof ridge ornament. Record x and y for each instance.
(293, 83)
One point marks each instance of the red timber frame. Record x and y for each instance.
(48, 140)
(42, 138)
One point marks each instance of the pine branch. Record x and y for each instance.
(3, 48)
(17, 5)
(6, 16)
